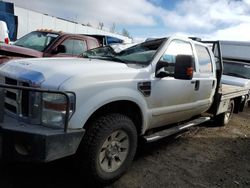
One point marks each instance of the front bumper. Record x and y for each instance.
(34, 143)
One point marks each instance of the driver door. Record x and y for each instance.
(173, 100)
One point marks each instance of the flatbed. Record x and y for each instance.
(230, 91)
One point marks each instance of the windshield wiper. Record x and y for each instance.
(236, 75)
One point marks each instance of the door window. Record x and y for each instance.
(176, 47)
(204, 59)
(74, 47)
(93, 44)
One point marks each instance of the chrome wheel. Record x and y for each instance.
(114, 151)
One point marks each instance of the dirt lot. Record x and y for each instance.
(205, 156)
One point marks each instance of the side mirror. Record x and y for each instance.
(184, 67)
(59, 49)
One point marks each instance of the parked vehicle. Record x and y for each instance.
(100, 106)
(4, 36)
(236, 73)
(47, 43)
(236, 61)
(7, 15)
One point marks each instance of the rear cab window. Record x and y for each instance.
(236, 68)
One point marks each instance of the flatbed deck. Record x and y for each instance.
(230, 91)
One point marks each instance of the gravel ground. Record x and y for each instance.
(205, 156)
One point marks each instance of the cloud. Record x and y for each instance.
(147, 18)
(207, 15)
(127, 12)
(238, 32)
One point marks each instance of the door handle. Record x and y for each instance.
(197, 84)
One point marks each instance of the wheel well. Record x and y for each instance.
(238, 105)
(128, 108)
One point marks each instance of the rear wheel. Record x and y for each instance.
(224, 118)
(109, 147)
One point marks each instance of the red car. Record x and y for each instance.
(47, 43)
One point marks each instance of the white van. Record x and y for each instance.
(4, 36)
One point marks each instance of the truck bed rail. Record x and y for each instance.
(230, 91)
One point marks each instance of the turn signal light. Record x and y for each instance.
(55, 106)
(190, 71)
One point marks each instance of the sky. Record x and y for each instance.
(210, 19)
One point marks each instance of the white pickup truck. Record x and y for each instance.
(99, 105)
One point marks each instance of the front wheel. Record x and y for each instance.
(109, 147)
(224, 118)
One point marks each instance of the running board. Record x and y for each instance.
(167, 132)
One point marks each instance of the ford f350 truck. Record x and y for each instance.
(98, 106)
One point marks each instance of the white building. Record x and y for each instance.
(29, 20)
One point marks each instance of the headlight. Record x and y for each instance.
(54, 109)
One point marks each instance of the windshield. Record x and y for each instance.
(36, 40)
(139, 54)
(237, 70)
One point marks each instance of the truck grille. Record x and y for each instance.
(16, 101)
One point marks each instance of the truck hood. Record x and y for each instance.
(231, 80)
(52, 72)
(12, 50)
